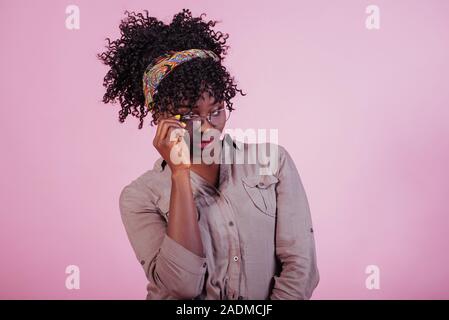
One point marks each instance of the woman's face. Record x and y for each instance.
(205, 105)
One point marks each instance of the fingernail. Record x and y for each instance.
(183, 124)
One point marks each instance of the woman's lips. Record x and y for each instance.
(204, 143)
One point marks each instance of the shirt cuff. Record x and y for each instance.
(182, 257)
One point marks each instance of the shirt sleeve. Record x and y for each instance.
(173, 271)
(295, 243)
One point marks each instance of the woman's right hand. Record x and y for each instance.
(169, 134)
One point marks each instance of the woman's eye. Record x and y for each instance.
(188, 117)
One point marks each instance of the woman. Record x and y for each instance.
(204, 230)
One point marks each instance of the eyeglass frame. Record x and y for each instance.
(208, 117)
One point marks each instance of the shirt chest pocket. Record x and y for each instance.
(261, 190)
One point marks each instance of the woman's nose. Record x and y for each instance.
(205, 125)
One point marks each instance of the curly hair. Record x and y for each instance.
(143, 39)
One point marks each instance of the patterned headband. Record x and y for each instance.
(163, 65)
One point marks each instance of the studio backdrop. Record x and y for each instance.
(358, 92)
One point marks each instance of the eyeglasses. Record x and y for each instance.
(215, 118)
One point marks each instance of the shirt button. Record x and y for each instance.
(240, 298)
(236, 258)
(231, 223)
(204, 265)
(311, 229)
(142, 262)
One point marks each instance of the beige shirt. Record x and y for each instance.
(256, 231)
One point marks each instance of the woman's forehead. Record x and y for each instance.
(202, 103)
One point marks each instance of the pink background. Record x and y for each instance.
(364, 113)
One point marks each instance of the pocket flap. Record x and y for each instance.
(260, 181)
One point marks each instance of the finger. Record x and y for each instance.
(167, 123)
(174, 134)
(164, 116)
(160, 120)
(161, 130)
(174, 143)
(162, 139)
